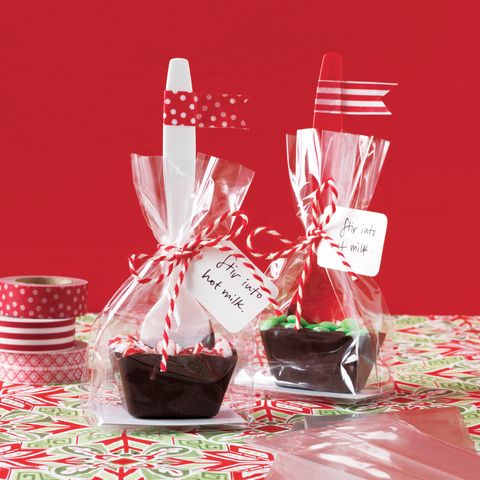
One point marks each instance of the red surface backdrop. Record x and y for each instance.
(81, 87)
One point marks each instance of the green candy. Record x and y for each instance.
(350, 324)
(293, 319)
(289, 325)
(271, 322)
(329, 326)
(268, 324)
(319, 328)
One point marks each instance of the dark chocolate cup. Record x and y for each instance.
(192, 387)
(323, 361)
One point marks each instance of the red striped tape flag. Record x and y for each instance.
(352, 98)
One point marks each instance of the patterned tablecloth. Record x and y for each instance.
(44, 435)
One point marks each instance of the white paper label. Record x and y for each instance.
(360, 235)
(227, 289)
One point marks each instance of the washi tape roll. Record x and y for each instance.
(41, 368)
(43, 297)
(22, 334)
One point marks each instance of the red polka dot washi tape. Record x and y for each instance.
(43, 297)
(41, 368)
(205, 110)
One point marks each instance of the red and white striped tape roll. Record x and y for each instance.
(22, 334)
(43, 297)
(41, 368)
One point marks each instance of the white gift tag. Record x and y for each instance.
(227, 289)
(360, 235)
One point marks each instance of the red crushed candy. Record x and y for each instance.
(129, 345)
(133, 351)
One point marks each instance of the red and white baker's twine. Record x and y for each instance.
(174, 255)
(314, 234)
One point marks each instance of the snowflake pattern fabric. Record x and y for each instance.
(44, 434)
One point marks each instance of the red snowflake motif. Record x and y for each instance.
(242, 462)
(14, 456)
(126, 443)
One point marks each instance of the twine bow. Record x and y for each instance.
(173, 255)
(314, 234)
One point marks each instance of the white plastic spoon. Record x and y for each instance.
(179, 151)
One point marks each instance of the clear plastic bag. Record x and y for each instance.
(127, 338)
(343, 351)
(445, 423)
(372, 447)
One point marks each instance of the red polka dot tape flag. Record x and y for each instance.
(205, 110)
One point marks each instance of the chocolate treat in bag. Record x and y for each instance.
(329, 336)
(178, 362)
(168, 343)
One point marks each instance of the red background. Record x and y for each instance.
(81, 87)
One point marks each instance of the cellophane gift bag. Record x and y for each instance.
(443, 423)
(374, 447)
(128, 343)
(342, 349)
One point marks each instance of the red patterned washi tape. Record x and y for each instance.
(23, 334)
(41, 368)
(205, 110)
(43, 297)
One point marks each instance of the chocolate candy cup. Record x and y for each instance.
(192, 387)
(324, 361)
